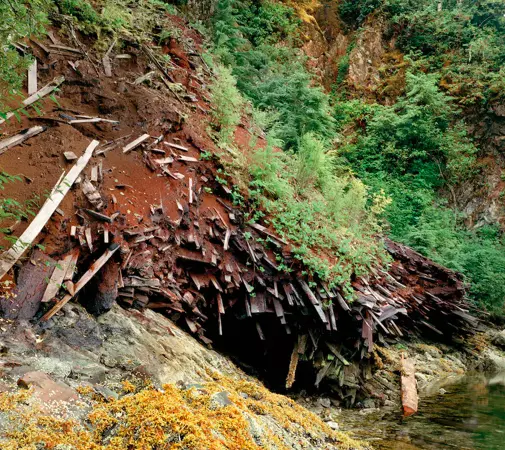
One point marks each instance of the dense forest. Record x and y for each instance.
(356, 162)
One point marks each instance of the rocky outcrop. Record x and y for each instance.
(366, 57)
(119, 362)
(75, 347)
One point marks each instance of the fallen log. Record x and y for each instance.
(409, 387)
(8, 143)
(9, 258)
(95, 267)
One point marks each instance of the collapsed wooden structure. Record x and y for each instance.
(209, 268)
(200, 263)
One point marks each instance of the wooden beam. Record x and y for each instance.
(95, 267)
(47, 89)
(135, 143)
(32, 77)
(5, 144)
(409, 387)
(9, 258)
(59, 275)
(293, 364)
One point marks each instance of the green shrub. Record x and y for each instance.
(18, 20)
(479, 254)
(273, 77)
(356, 11)
(327, 218)
(227, 104)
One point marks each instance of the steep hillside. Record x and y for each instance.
(200, 170)
(419, 99)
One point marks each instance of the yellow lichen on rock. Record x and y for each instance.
(219, 415)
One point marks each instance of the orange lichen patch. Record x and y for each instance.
(171, 419)
(479, 341)
(128, 386)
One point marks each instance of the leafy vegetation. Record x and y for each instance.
(417, 149)
(19, 20)
(348, 168)
(330, 219)
(409, 154)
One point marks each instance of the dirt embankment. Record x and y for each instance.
(185, 249)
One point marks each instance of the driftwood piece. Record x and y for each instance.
(8, 143)
(409, 387)
(9, 258)
(47, 89)
(95, 267)
(31, 285)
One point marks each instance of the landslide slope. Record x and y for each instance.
(187, 247)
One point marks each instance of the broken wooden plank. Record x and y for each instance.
(167, 160)
(32, 77)
(308, 292)
(8, 143)
(65, 48)
(94, 174)
(191, 190)
(263, 230)
(91, 272)
(220, 306)
(47, 89)
(9, 258)
(91, 120)
(409, 387)
(99, 216)
(343, 304)
(178, 147)
(187, 159)
(293, 364)
(134, 144)
(260, 331)
(70, 156)
(89, 239)
(69, 274)
(227, 239)
(92, 194)
(59, 274)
